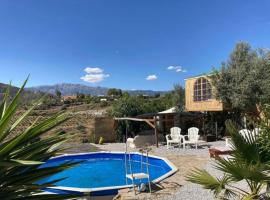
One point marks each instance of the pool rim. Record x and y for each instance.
(173, 170)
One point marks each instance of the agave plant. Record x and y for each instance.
(22, 155)
(249, 163)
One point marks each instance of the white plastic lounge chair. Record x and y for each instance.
(245, 133)
(256, 131)
(140, 141)
(130, 143)
(192, 137)
(174, 137)
(228, 147)
(228, 142)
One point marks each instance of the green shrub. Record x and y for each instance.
(104, 104)
(132, 106)
(64, 107)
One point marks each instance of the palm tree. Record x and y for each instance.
(22, 155)
(249, 162)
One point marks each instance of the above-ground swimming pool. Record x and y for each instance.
(103, 173)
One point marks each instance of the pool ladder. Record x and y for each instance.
(137, 176)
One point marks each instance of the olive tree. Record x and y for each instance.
(243, 82)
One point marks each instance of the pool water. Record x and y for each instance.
(101, 172)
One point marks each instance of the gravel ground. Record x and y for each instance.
(189, 151)
(192, 191)
(201, 151)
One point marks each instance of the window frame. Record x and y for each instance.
(202, 90)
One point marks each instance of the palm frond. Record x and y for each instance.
(9, 112)
(208, 181)
(244, 148)
(21, 156)
(241, 171)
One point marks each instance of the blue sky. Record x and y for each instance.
(122, 42)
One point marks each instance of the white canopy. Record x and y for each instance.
(170, 110)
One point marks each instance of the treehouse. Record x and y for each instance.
(199, 95)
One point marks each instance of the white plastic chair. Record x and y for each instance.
(245, 133)
(256, 132)
(174, 137)
(192, 137)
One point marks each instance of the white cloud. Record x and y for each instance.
(93, 70)
(94, 78)
(176, 68)
(171, 67)
(94, 75)
(151, 77)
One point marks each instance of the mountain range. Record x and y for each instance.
(73, 89)
(27, 96)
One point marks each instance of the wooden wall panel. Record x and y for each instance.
(208, 105)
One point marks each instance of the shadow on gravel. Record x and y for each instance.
(165, 184)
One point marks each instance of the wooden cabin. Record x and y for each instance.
(200, 95)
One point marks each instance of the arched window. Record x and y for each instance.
(202, 90)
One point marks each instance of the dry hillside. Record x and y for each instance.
(87, 122)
